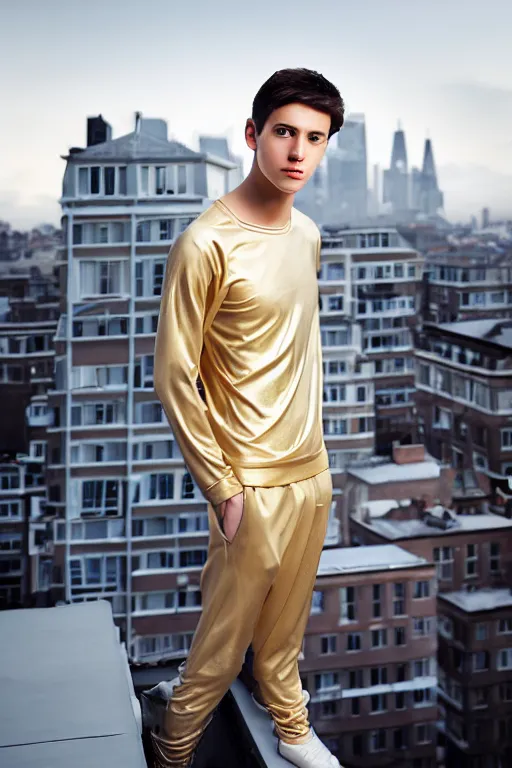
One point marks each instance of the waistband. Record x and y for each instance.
(282, 474)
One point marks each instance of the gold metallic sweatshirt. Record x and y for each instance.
(240, 308)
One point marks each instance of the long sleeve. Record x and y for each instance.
(191, 295)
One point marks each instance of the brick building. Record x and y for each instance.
(370, 656)
(464, 404)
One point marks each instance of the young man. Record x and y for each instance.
(240, 308)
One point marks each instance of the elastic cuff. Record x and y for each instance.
(223, 489)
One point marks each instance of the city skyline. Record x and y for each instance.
(448, 82)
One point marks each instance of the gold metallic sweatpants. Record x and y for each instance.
(256, 589)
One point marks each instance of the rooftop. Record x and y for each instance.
(381, 507)
(367, 558)
(413, 529)
(480, 600)
(495, 330)
(69, 699)
(390, 472)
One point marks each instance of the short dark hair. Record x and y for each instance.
(301, 85)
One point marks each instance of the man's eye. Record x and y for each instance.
(282, 129)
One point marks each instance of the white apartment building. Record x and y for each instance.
(369, 285)
(130, 524)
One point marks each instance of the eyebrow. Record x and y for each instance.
(293, 128)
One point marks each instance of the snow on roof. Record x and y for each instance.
(368, 558)
(412, 529)
(380, 507)
(480, 600)
(397, 473)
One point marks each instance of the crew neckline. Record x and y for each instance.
(256, 227)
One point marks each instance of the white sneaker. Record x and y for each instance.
(313, 754)
(305, 696)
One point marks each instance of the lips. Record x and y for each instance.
(293, 173)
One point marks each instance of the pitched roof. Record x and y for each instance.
(136, 146)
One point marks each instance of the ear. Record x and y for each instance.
(250, 133)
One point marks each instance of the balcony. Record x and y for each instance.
(39, 416)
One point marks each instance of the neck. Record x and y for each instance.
(261, 201)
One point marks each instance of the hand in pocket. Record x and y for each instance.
(230, 513)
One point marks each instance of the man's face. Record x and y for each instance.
(293, 137)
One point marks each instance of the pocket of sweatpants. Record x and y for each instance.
(219, 521)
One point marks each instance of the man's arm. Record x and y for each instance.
(191, 294)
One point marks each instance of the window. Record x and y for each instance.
(399, 599)
(334, 393)
(160, 185)
(471, 560)
(149, 413)
(10, 510)
(443, 557)
(378, 702)
(329, 708)
(361, 394)
(348, 607)
(160, 560)
(480, 661)
(421, 589)
(355, 706)
(100, 571)
(328, 644)
(318, 601)
(422, 626)
(504, 626)
(143, 372)
(192, 558)
(166, 229)
(335, 271)
(335, 303)
(378, 676)
(149, 277)
(100, 496)
(103, 278)
(378, 740)
(400, 700)
(377, 600)
(334, 426)
(422, 732)
(161, 486)
(325, 681)
(355, 678)
(98, 413)
(96, 180)
(422, 697)
(421, 667)
(182, 179)
(504, 659)
(336, 337)
(334, 367)
(494, 556)
(354, 641)
(379, 638)
(399, 635)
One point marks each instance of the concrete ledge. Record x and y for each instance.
(66, 699)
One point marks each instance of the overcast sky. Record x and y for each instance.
(443, 68)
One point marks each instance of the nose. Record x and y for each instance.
(297, 149)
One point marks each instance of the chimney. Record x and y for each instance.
(408, 454)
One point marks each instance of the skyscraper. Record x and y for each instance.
(396, 178)
(347, 173)
(426, 196)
